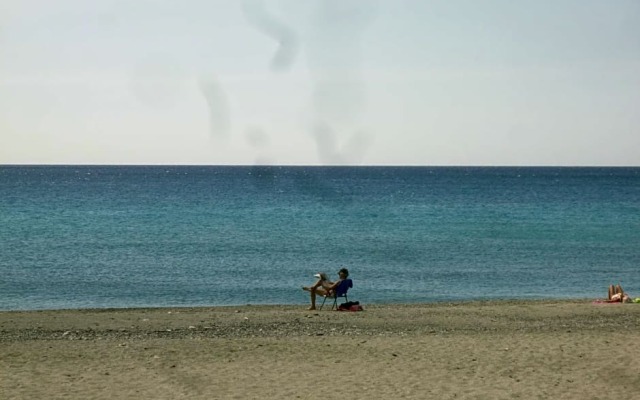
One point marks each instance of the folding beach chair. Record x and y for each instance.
(341, 291)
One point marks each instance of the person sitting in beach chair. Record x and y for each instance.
(616, 294)
(324, 287)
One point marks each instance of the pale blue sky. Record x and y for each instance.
(387, 82)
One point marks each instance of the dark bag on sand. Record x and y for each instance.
(350, 306)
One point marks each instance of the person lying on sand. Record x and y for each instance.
(616, 294)
(324, 287)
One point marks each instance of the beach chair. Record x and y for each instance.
(341, 291)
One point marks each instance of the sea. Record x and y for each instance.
(180, 236)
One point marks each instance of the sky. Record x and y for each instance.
(311, 82)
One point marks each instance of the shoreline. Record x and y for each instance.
(499, 349)
(286, 321)
(305, 304)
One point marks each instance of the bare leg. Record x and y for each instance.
(312, 292)
(317, 288)
(314, 286)
(313, 299)
(612, 291)
(319, 291)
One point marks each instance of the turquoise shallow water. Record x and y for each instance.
(122, 236)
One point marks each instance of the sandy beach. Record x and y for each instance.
(477, 350)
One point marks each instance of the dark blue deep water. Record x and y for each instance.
(123, 236)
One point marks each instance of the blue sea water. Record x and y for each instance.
(138, 236)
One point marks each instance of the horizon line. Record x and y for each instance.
(317, 165)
